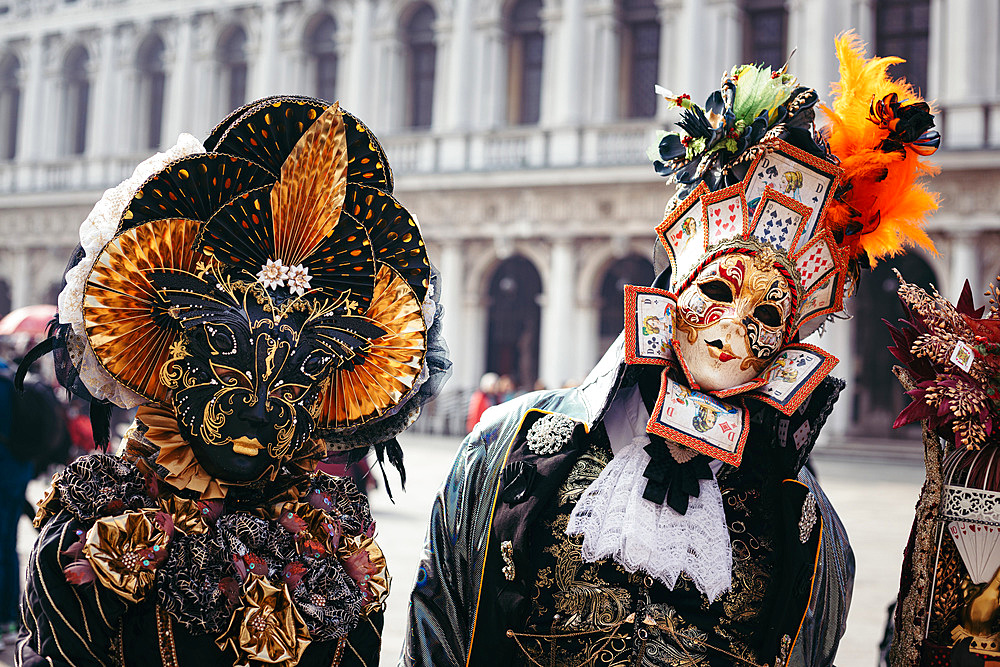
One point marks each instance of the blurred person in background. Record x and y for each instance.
(482, 398)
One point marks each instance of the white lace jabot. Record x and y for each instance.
(617, 522)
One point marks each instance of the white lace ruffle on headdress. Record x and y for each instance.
(617, 522)
(95, 232)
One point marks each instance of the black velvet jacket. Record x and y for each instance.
(462, 605)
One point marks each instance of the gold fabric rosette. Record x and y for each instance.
(364, 562)
(267, 628)
(124, 551)
(186, 514)
(48, 505)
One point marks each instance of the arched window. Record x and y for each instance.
(640, 57)
(765, 31)
(151, 89)
(514, 321)
(631, 270)
(878, 398)
(902, 28)
(322, 49)
(421, 53)
(233, 68)
(525, 57)
(10, 106)
(76, 100)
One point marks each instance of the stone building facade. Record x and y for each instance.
(517, 131)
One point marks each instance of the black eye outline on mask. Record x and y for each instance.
(221, 339)
(768, 315)
(231, 377)
(315, 364)
(717, 290)
(289, 393)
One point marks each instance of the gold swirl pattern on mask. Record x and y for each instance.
(382, 379)
(267, 628)
(176, 455)
(124, 551)
(307, 200)
(128, 324)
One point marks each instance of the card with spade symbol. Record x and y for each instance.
(725, 214)
(796, 174)
(649, 325)
(778, 220)
(792, 375)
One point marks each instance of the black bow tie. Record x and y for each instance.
(666, 478)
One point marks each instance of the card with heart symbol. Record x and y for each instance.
(796, 174)
(778, 219)
(649, 325)
(826, 297)
(792, 376)
(699, 421)
(725, 214)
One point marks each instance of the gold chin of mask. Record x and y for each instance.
(731, 320)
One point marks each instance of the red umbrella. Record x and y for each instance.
(30, 320)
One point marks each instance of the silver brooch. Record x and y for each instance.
(507, 551)
(549, 434)
(808, 519)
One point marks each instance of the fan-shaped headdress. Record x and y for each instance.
(279, 242)
(754, 176)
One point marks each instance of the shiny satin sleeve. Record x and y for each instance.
(833, 582)
(446, 590)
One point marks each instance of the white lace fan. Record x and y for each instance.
(971, 508)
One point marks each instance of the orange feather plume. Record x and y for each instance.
(887, 202)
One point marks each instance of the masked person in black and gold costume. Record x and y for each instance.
(265, 303)
(660, 513)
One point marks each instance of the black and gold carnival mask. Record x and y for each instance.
(267, 292)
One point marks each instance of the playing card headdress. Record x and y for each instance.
(755, 177)
(764, 238)
(278, 254)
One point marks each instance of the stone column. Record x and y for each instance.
(265, 69)
(180, 83)
(359, 91)
(101, 125)
(451, 266)
(963, 262)
(444, 54)
(671, 76)
(31, 132)
(21, 278)
(559, 328)
(606, 68)
(491, 97)
(461, 68)
(552, 88)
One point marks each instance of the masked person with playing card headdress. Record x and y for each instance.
(265, 303)
(659, 513)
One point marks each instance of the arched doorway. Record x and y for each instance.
(877, 396)
(631, 270)
(514, 321)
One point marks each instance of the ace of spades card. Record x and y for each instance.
(796, 174)
(649, 325)
(704, 423)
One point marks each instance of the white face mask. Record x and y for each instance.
(732, 320)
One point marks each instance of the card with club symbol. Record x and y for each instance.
(699, 421)
(649, 325)
(792, 375)
(778, 220)
(796, 174)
